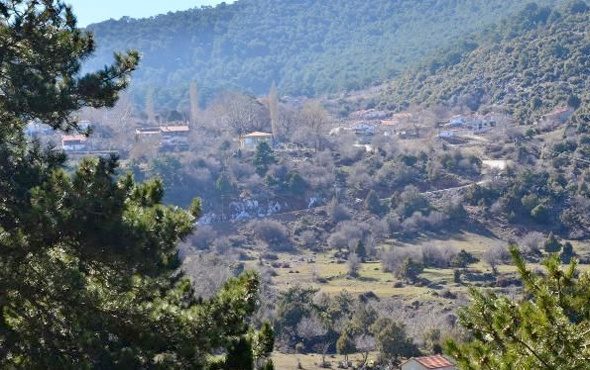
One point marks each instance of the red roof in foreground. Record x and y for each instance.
(433, 362)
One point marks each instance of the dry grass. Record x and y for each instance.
(330, 277)
(284, 361)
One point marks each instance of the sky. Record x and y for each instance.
(93, 11)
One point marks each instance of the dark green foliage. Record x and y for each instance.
(409, 270)
(224, 184)
(307, 47)
(89, 264)
(432, 341)
(50, 69)
(392, 341)
(345, 344)
(546, 329)
(239, 355)
(551, 244)
(263, 158)
(567, 253)
(536, 47)
(361, 250)
(463, 259)
(372, 203)
(409, 202)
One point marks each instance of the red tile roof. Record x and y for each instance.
(433, 362)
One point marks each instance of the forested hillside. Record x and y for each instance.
(307, 47)
(537, 60)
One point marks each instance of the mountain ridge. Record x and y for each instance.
(527, 73)
(307, 47)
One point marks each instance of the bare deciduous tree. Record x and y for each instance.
(495, 256)
(240, 113)
(364, 344)
(353, 264)
(315, 120)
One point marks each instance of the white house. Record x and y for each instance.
(174, 136)
(251, 140)
(436, 362)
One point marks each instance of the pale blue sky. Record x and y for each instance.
(93, 11)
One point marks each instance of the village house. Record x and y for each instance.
(251, 140)
(396, 123)
(476, 123)
(457, 121)
(168, 137)
(362, 128)
(370, 114)
(174, 136)
(436, 362)
(74, 143)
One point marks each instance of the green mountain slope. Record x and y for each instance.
(307, 46)
(538, 60)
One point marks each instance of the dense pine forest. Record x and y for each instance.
(528, 65)
(307, 47)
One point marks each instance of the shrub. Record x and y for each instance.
(440, 257)
(337, 212)
(531, 243)
(392, 259)
(203, 237)
(495, 255)
(272, 233)
(551, 244)
(409, 270)
(309, 238)
(373, 204)
(354, 264)
(463, 259)
(567, 253)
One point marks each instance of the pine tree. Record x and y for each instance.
(345, 344)
(88, 260)
(263, 158)
(372, 203)
(546, 329)
(361, 250)
(392, 341)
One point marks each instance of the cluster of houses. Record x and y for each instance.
(476, 123)
(173, 137)
(463, 125)
(367, 123)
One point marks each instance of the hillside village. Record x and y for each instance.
(412, 221)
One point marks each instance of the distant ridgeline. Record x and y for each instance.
(308, 47)
(532, 63)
